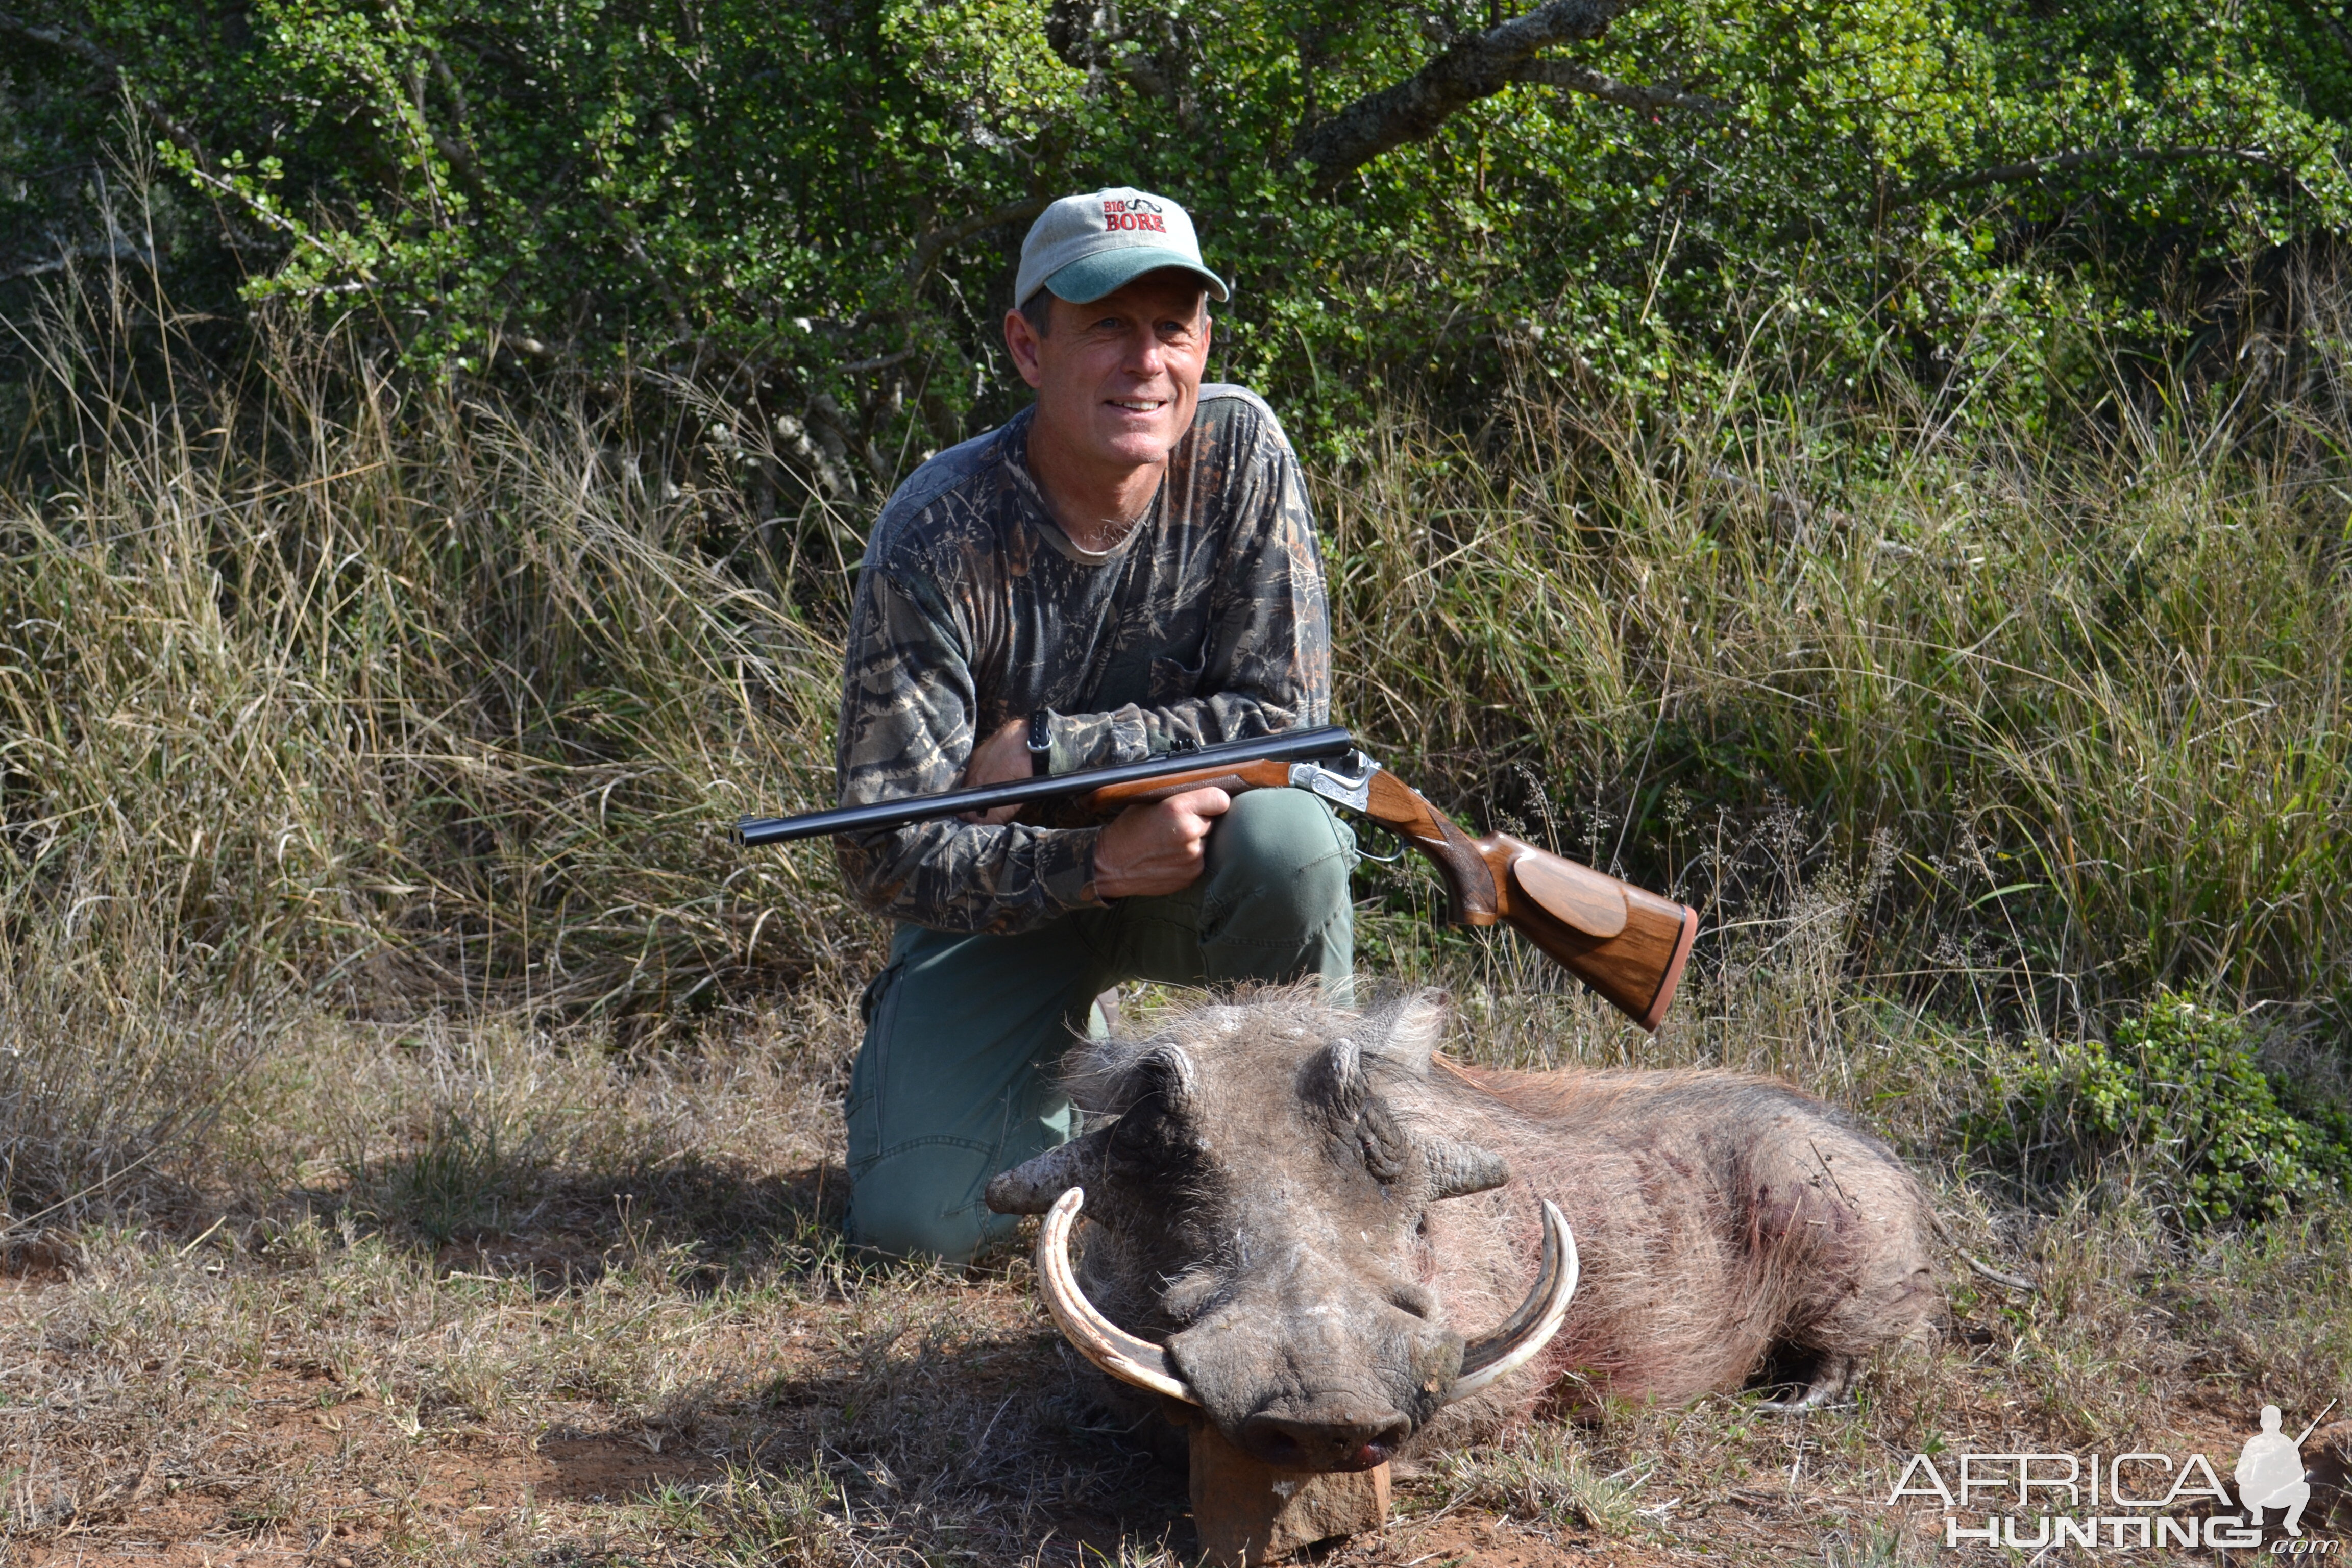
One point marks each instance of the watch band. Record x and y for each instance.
(1041, 742)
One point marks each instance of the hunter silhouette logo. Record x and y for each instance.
(2128, 1502)
(2270, 1471)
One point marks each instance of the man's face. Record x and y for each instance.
(1118, 380)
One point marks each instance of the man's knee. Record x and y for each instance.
(949, 1085)
(1282, 847)
(1274, 903)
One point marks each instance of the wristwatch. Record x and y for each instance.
(1041, 742)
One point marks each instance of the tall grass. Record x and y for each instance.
(393, 695)
(2087, 687)
(320, 692)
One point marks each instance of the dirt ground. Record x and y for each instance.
(291, 1452)
(474, 1293)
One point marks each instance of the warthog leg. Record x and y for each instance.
(1832, 1380)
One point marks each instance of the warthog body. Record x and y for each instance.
(1268, 1208)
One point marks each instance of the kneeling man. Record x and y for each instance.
(1126, 568)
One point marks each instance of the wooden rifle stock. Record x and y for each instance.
(1628, 944)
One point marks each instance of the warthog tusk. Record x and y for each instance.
(1493, 1357)
(1100, 1341)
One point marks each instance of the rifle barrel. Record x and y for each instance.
(1286, 746)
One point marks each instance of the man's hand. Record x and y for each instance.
(1003, 758)
(1146, 849)
(1157, 848)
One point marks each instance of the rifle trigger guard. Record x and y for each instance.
(1350, 783)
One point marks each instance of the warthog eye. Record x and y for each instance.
(1415, 1299)
(1386, 1152)
(1149, 1148)
(1189, 1295)
(1155, 1143)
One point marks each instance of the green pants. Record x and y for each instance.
(955, 1081)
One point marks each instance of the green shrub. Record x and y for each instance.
(822, 202)
(2179, 1096)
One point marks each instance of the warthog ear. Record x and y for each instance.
(1167, 1073)
(1411, 1030)
(1032, 1188)
(1457, 1170)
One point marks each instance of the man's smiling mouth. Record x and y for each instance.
(1140, 404)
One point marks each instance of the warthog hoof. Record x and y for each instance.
(1832, 1382)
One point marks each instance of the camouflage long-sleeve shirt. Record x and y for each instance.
(1206, 623)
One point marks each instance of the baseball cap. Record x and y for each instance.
(1083, 248)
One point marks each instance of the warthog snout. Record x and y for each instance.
(1312, 1364)
(1336, 1436)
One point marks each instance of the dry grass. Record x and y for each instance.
(393, 697)
(2073, 702)
(467, 1290)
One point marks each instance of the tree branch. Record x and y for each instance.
(204, 171)
(1479, 66)
(67, 257)
(90, 54)
(1571, 77)
(939, 241)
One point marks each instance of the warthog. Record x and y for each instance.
(1293, 1206)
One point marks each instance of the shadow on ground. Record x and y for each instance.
(910, 1401)
(702, 1222)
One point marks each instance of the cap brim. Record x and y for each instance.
(1087, 280)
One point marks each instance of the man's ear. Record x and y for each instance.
(1021, 341)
